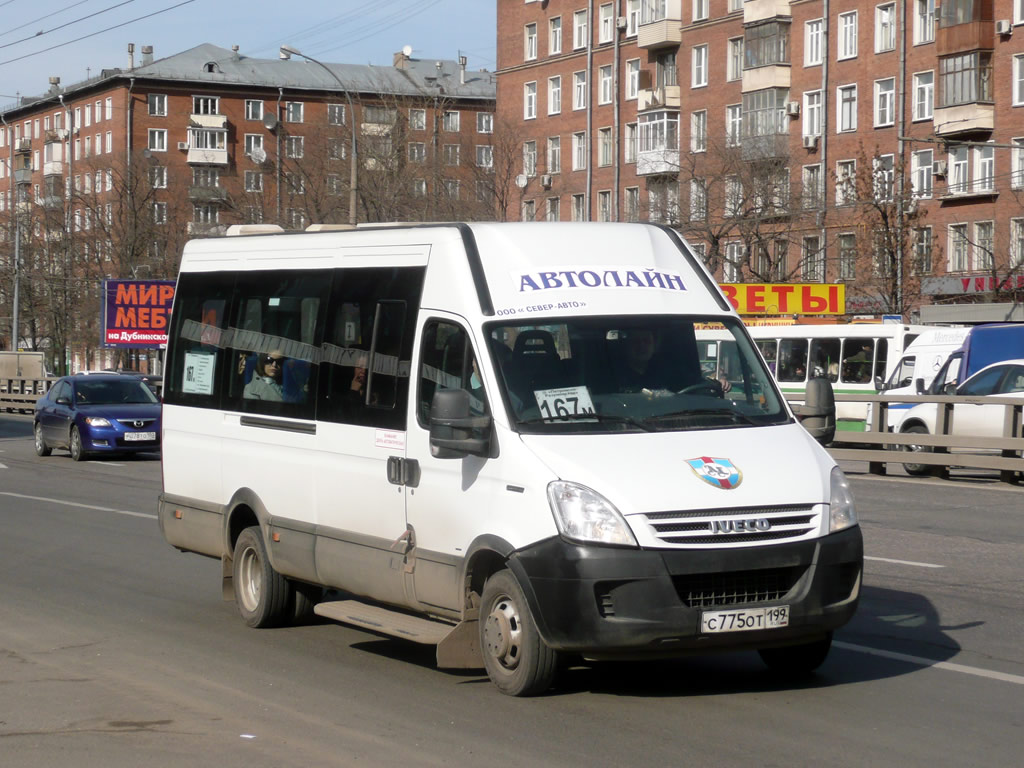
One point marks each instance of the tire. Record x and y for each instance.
(916, 469)
(515, 657)
(42, 449)
(262, 594)
(75, 445)
(303, 597)
(797, 660)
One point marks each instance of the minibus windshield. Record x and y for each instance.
(619, 373)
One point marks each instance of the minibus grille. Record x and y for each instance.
(735, 525)
(702, 590)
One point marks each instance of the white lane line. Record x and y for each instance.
(3, 466)
(921, 661)
(80, 506)
(904, 562)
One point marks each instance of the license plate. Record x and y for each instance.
(744, 619)
(129, 436)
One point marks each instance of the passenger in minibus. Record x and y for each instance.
(266, 381)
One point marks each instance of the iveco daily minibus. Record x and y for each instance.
(497, 438)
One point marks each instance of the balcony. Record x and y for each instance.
(53, 168)
(198, 156)
(964, 119)
(657, 162)
(661, 25)
(769, 76)
(765, 147)
(968, 36)
(202, 229)
(759, 10)
(207, 194)
(22, 175)
(663, 97)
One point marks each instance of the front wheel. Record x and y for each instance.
(75, 445)
(42, 449)
(911, 468)
(516, 658)
(260, 592)
(797, 660)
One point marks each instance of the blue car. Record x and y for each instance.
(97, 414)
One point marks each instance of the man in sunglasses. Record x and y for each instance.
(266, 381)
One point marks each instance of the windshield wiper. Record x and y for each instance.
(602, 417)
(736, 416)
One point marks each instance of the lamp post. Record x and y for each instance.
(286, 53)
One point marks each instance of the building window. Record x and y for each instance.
(529, 100)
(699, 131)
(604, 79)
(700, 9)
(450, 121)
(554, 157)
(983, 243)
(579, 151)
(604, 205)
(846, 108)
(923, 250)
(579, 90)
(157, 177)
(417, 119)
(883, 178)
(885, 27)
(665, 71)
(812, 113)
(205, 105)
(335, 148)
(846, 182)
(295, 183)
(159, 213)
(813, 186)
(555, 36)
(632, 78)
(253, 142)
(336, 114)
(967, 78)
(699, 75)
(847, 256)
(530, 158)
(733, 203)
(579, 30)
(604, 146)
(530, 41)
(847, 36)
(253, 181)
(924, 21)
(924, 95)
(885, 102)
(921, 173)
(984, 169)
(450, 152)
(553, 209)
(157, 140)
(733, 125)
(1017, 164)
(157, 104)
(632, 17)
(812, 42)
(529, 211)
(579, 208)
(109, 147)
(1016, 243)
(663, 201)
(631, 204)
(698, 200)
(959, 171)
(485, 122)
(813, 260)
(108, 105)
(1018, 80)
(764, 113)
(606, 23)
(253, 109)
(484, 156)
(294, 146)
(293, 111)
(554, 95)
(630, 142)
(958, 248)
(766, 44)
(417, 152)
(734, 63)
(732, 264)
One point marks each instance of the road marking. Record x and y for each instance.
(904, 562)
(922, 661)
(3, 466)
(81, 506)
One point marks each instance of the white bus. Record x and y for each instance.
(855, 357)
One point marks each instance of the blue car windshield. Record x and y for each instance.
(619, 373)
(113, 392)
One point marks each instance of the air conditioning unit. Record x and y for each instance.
(939, 168)
(621, 22)
(545, 180)
(182, 145)
(1003, 27)
(810, 142)
(793, 109)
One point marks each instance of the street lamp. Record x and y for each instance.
(286, 53)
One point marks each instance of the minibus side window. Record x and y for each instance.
(881, 358)
(792, 360)
(447, 362)
(858, 356)
(825, 358)
(769, 351)
(195, 372)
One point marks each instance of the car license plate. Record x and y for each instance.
(129, 436)
(744, 619)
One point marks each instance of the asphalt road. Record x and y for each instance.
(116, 650)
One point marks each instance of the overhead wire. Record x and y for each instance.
(66, 24)
(42, 18)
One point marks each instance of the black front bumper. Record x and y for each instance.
(607, 602)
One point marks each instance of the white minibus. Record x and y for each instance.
(498, 438)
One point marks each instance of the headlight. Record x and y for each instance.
(585, 515)
(841, 512)
(96, 421)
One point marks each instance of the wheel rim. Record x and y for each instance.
(39, 438)
(76, 443)
(251, 577)
(503, 633)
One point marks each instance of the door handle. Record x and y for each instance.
(403, 471)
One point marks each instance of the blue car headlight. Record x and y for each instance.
(96, 421)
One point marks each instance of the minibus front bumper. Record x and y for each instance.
(606, 602)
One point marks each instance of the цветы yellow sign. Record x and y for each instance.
(786, 298)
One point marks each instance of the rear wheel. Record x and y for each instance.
(516, 658)
(75, 445)
(261, 592)
(42, 449)
(797, 660)
(911, 468)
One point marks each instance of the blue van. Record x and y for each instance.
(983, 345)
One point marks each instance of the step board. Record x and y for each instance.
(385, 621)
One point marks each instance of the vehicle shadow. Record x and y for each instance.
(903, 625)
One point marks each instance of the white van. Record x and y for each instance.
(921, 360)
(497, 438)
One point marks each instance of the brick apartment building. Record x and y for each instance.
(108, 177)
(876, 143)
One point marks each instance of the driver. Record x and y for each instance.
(636, 371)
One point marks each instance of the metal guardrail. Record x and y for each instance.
(18, 394)
(878, 446)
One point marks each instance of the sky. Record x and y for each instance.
(75, 39)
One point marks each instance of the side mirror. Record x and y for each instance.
(880, 385)
(454, 431)
(63, 401)
(919, 386)
(818, 412)
(949, 389)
